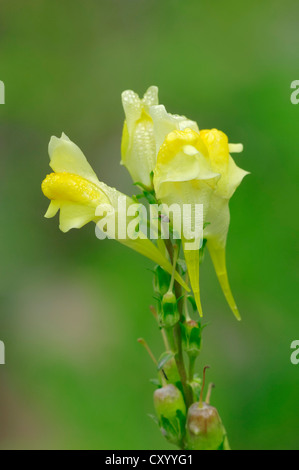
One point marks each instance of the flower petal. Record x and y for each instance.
(52, 209)
(164, 123)
(182, 158)
(74, 215)
(230, 180)
(66, 157)
(138, 145)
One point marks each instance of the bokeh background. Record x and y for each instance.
(71, 306)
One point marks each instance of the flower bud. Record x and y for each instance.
(205, 430)
(171, 412)
(191, 337)
(169, 315)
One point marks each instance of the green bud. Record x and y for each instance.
(169, 315)
(171, 412)
(191, 337)
(204, 428)
(161, 281)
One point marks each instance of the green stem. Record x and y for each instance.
(179, 358)
(170, 339)
(192, 360)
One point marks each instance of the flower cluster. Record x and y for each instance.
(169, 158)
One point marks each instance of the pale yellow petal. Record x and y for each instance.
(74, 215)
(66, 157)
(151, 97)
(230, 180)
(182, 158)
(132, 107)
(221, 161)
(217, 219)
(164, 123)
(52, 209)
(138, 145)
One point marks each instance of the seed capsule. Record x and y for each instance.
(204, 428)
(171, 371)
(171, 412)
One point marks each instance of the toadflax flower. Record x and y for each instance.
(191, 167)
(75, 190)
(183, 175)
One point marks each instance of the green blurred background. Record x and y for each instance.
(71, 306)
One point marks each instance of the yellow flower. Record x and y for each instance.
(195, 167)
(138, 147)
(183, 175)
(75, 190)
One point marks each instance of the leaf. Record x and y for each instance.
(192, 302)
(165, 357)
(182, 421)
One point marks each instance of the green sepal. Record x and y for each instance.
(174, 430)
(192, 301)
(196, 385)
(150, 197)
(169, 314)
(191, 337)
(161, 281)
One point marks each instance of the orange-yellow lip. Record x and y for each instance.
(70, 187)
(177, 140)
(217, 145)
